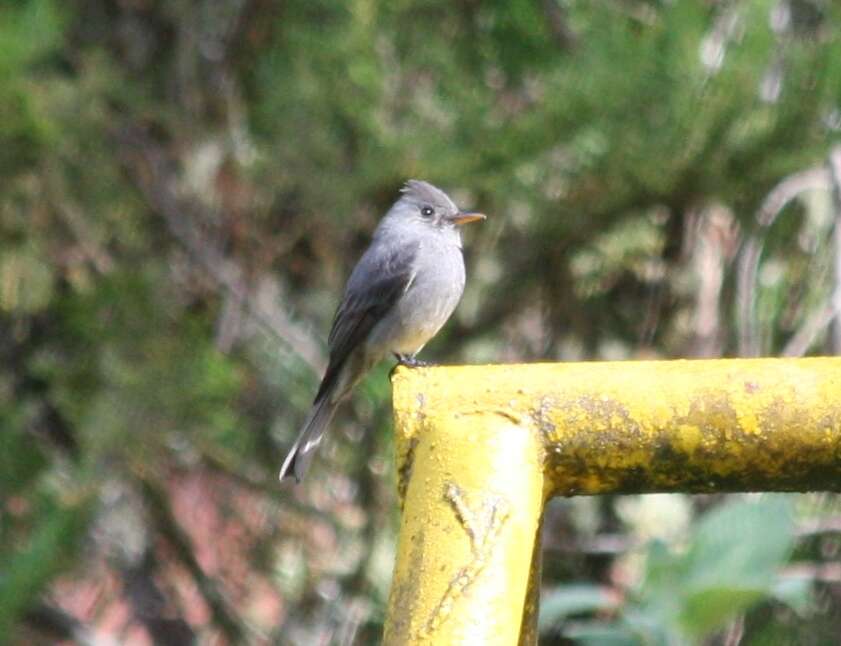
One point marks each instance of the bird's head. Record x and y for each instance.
(423, 205)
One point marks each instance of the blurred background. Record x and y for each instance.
(184, 187)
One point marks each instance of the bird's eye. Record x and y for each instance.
(427, 211)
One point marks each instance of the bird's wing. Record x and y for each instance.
(366, 302)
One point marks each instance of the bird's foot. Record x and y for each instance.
(410, 361)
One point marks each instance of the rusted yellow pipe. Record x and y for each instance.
(473, 498)
(480, 448)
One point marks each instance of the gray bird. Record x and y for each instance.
(401, 292)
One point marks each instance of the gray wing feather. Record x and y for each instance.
(375, 285)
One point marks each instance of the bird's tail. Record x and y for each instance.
(300, 455)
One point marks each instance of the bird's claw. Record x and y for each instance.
(410, 361)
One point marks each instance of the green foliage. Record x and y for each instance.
(21, 461)
(185, 185)
(48, 549)
(570, 600)
(732, 562)
(29, 33)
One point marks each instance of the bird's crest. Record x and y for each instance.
(425, 193)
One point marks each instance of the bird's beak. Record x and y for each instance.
(463, 218)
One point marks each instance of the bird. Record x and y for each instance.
(399, 295)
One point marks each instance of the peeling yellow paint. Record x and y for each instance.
(471, 439)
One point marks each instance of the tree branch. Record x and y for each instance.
(167, 525)
(834, 164)
(155, 180)
(788, 189)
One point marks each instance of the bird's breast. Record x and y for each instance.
(428, 302)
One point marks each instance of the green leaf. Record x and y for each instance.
(599, 634)
(710, 607)
(796, 592)
(734, 559)
(573, 599)
(741, 545)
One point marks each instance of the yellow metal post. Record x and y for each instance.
(480, 448)
(468, 529)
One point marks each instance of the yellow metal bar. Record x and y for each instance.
(473, 484)
(479, 449)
